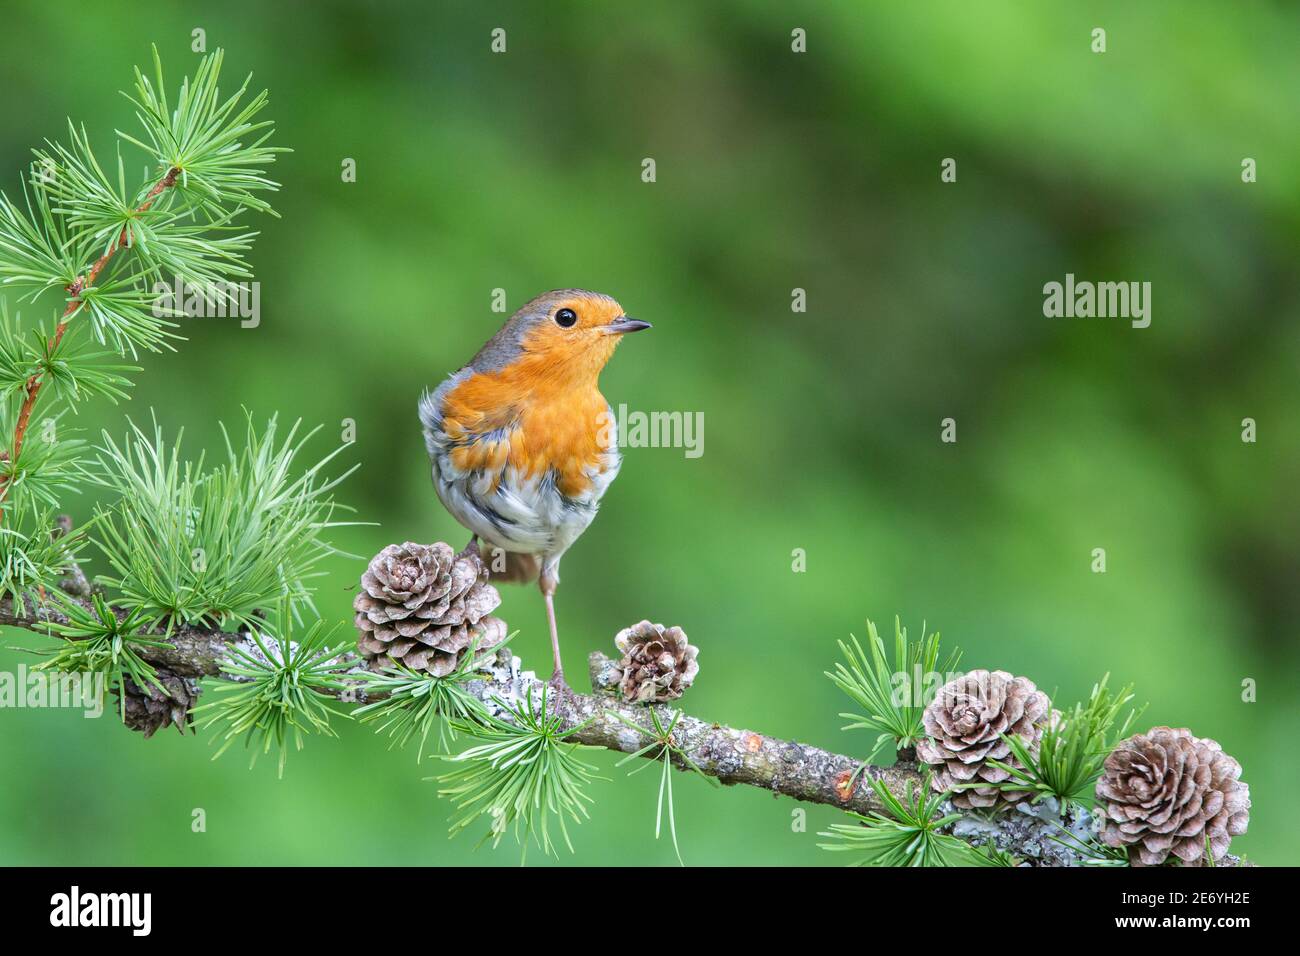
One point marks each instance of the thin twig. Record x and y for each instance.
(75, 290)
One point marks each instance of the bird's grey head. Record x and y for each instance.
(577, 310)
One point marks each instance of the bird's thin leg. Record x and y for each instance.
(546, 582)
(557, 677)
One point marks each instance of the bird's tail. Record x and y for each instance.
(509, 567)
(519, 568)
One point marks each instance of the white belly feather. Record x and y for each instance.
(522, 514)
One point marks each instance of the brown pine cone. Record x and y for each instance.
(658, 664)
(423, 605)
(1166, 792)
(964, 722)
(148, 710)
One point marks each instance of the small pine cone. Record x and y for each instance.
(148, 710)
(423, 606)
(658, 664)
(1166, 792)
(964, 722)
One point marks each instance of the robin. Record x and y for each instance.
(521, 440)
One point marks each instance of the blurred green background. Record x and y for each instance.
(775, 171)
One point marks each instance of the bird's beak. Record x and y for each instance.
(623, 324)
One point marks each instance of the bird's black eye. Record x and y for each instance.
(565, 318)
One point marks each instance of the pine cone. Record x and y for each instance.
(1165, 792)
(148, 710)
(658, 664)
(423, 605)
(964, 722)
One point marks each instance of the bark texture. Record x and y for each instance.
(729, 754)
(732, 755)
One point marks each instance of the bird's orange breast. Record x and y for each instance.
(530, 419)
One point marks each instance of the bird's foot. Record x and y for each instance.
(558, 684)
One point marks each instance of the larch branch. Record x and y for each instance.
(75, 290)
(732, 756)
